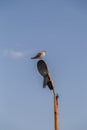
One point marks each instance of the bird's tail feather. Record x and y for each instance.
(32, 58)
(35, 57)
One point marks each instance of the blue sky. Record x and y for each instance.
(60, 28)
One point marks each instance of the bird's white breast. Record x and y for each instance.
(42, 54)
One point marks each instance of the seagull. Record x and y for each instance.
(39, 55)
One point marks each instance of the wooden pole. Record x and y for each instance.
(43, 70)
(56, 116)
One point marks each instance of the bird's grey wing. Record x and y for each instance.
(37, 56)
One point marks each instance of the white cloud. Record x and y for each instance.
(17, 54)
(13, 54)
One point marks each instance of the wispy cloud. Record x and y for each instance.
(13, 54)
